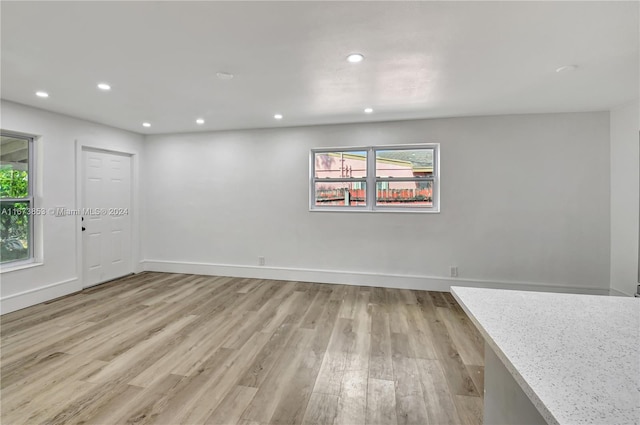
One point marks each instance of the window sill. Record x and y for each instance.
(382, 210)
(20, 266)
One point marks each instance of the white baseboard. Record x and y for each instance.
(615, 293)
(38, 295)
(429, 283)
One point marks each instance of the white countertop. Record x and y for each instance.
(577, 357)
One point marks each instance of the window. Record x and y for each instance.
(16, 198)
(375, 178)
(339, 178)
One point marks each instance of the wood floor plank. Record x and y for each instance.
(290, 305)
(338, 292)
(310, 319)
(110, 343)
(220, 382)
(437, 397)
(381, 403)
(123, 362)
(186, 284)
(274, 387)
(206, 339)
(248, 285)
(70, 305)
(49, 410)
(91, 400)
(353, 389)
(232, 406)
(297, 313)
(179, 403)
(295, 399)
(349, 303)
(438, 299)
(118, 406)
(162, 348)
(321, 409)
(106, 340)
(329, 379)
(457, 375)
(407, 296)
(266, 292)
(469, 329)
(267, 357)
(378, 296)
(29, 358)
(397, 312)
(146, 405)
(477, 375)
(469, 352)
(293, 403)
(31, 366)
(186, 357)
(410, 405)
(32, 397)
(380, 363)
(40, 341)
(469, 409)
(421, 337)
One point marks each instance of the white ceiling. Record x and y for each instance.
(423, 59)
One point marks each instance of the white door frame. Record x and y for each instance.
(136, 266)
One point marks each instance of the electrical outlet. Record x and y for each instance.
(454, 271)
(261, 261)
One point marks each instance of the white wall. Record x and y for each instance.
(525, 201)
(625, 163)
(520, 205)
(57, 237)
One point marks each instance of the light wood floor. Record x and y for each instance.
(170, 348)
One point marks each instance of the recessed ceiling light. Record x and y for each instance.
(199, 121)
(224, 75)
(104, 86)
(355, 57)
(42, 94)
(567, 68)
(368, 110)
(146, 124)
(278, 116)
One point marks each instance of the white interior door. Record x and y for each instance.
(106, 216)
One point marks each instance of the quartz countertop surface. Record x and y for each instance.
(577, 357)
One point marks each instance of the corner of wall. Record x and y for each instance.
(624, 198)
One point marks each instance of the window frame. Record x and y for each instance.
(371, 180)
(30, 198)
(314, 180)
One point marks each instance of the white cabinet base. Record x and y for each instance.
(504, 400)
